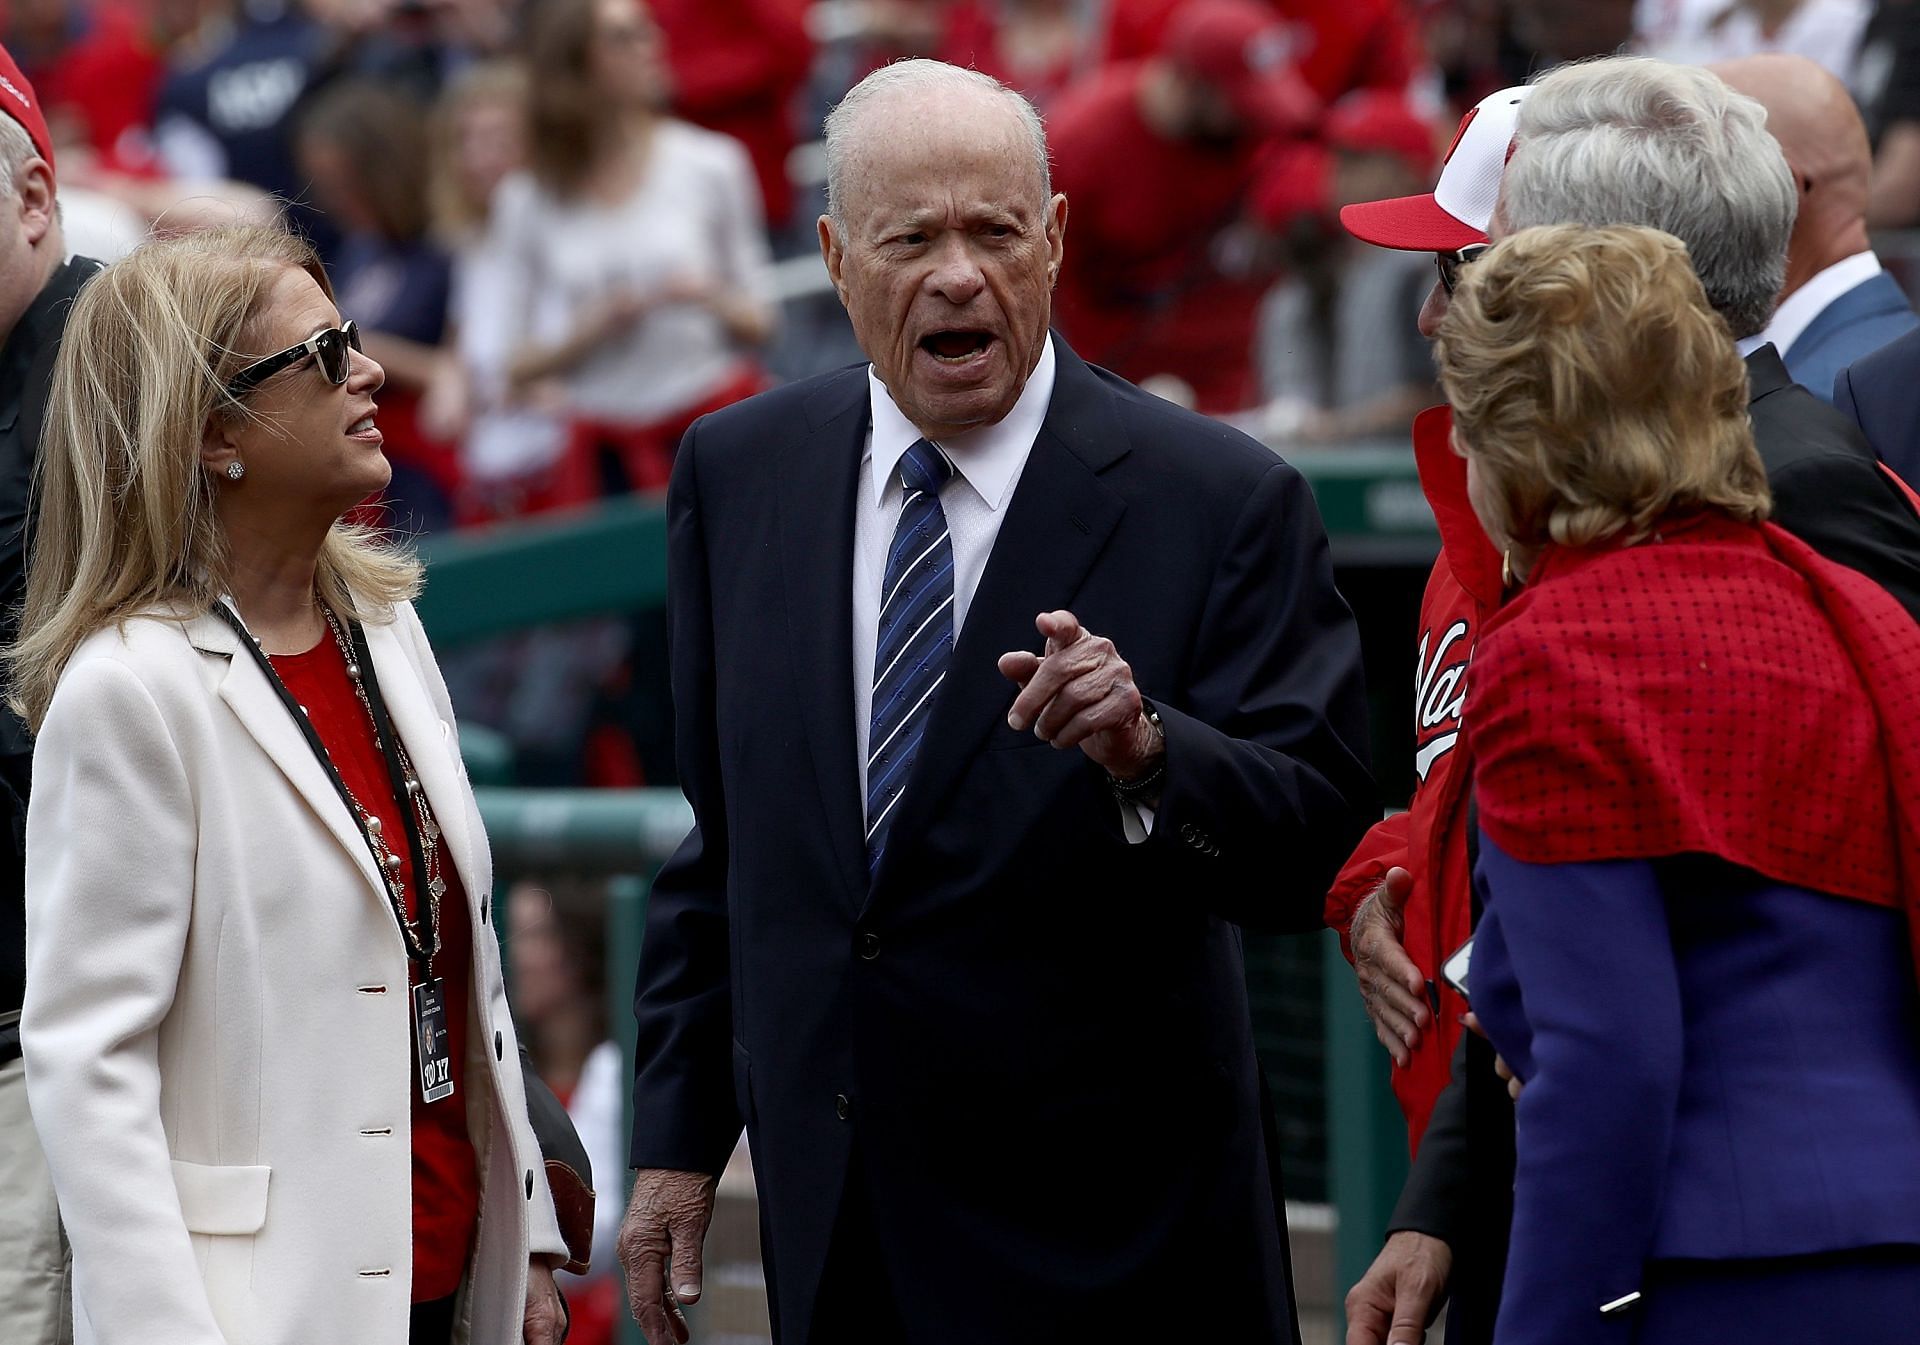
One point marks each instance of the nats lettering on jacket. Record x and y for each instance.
(1439, 691)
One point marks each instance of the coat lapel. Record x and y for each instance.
(246, 691)
(816, 479)
(1059, 518)
(431, 748)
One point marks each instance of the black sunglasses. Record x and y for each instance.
(1451, 262)
(331, 348)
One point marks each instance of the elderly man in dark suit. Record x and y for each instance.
(1006, 694)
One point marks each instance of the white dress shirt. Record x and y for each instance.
(1798, 310)
(988, 463)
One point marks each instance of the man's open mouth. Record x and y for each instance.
(956, 345)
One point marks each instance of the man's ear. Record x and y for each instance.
(1056, 231)
(833, 254)
(36, 192)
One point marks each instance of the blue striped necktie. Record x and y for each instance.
(916, 638)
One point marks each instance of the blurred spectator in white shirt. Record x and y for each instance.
(632, 261)
(1340, 356)
(1698, 32)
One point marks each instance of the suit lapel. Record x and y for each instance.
(430, 749)
(816, 480)
(246, 691)
(1057, 523)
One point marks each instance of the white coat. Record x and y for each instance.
(217, 1026)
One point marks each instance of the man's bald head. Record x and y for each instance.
(1819, 129)
(943, 239)
(914, 97)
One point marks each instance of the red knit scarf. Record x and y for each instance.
(1718, 689)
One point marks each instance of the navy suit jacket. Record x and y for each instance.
(1882, 394)
(1854, 325)
(1030, 1036)
(1719, 1067)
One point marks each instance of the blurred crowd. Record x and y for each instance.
(558, 220)
(571, 227)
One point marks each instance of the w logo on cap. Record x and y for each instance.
(1460, 134)
(1455, 214)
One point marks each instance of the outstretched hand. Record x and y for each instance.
(1080, 693)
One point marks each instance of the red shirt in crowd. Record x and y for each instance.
(446, 1173)
(1338, 45)
(1163, 274)
(737, 65)
(974, 34)
(98, 87)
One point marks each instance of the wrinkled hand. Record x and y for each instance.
(1393, 988)
(1515, 1085)
(545, 1322)
(1080, 693)
(665, 1227)
(1397, 1299)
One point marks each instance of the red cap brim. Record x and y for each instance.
(1408, 223)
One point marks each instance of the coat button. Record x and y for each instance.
(499, 1047)
(529, 1183)
(869, 946)
(842, 1106)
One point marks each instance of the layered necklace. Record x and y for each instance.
(422, 934)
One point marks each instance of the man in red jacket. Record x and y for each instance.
(1403, 902)
(1179, 170)
(1409, 876)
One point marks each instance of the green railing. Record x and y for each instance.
(613, 557)
(623, 835)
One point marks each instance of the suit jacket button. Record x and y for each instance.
(869, 946)
(842, 1106)
(499, 1047)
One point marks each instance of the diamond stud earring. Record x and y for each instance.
(236, 469)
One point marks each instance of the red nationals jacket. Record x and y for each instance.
(1429, 840)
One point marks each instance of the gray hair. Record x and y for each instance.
(1630, 140)
(16, 147)
(920, 75)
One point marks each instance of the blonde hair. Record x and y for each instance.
(458, 217)
(126, 521)
(1595, 388)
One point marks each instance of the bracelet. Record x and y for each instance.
(1146, 786)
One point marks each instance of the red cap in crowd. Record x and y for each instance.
(1238, 47)
(1370, 121)
(1460, 207)
(19, 101)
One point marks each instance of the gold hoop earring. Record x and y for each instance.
(1506, 565)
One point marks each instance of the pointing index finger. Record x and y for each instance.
(1061, 629)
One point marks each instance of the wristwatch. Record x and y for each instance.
(1148, 786)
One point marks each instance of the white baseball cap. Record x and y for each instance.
(1460, 206)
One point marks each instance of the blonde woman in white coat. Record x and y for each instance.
(234, 1055)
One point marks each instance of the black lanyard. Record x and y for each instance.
(422, 947)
